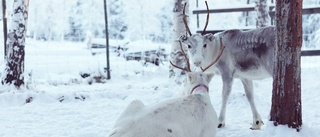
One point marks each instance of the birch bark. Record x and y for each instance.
(262, 10)
(178, 30)
(13, 73)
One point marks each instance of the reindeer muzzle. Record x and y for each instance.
(200, 88)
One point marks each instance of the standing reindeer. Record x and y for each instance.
(247, 55)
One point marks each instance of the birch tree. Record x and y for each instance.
(13, 73)
(262, 10)
(286, 93)
(178, 30)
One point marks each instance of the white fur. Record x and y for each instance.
(188, 116)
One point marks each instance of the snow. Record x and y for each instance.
(55, 76)
(65, 104)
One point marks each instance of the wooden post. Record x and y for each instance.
(286, 93)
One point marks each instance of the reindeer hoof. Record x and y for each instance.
(257, 125)
(221, 125)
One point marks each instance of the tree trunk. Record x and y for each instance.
(13, 73)
(178, 30)
(262, 10)
(286, 93)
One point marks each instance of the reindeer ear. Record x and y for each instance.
(183, 38)
(209, 36)
(209, 76)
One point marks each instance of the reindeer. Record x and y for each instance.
(247, 55)
(187, 116)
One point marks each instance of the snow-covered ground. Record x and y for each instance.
(64, 104)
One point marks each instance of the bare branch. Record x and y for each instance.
(186, 58)
(177, 66)
(216, 60)
(207, 21)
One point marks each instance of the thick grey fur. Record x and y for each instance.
(248, 55)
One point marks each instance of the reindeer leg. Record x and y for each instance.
(226, 89)
(257, 122)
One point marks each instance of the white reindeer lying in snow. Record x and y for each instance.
(189, 116)
(247, 55)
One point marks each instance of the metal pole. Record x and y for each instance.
(107, 39)
(197, 3)
(247, 15)
(4, 17)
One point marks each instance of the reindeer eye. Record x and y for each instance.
(205, 45)
(189, 46)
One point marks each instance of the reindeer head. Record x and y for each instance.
(198, 44)
(197, 82)
(199, 47)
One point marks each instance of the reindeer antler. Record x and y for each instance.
(207, 21)
(185, 19)
(216, 60)
(187, 60)
(204, 30)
